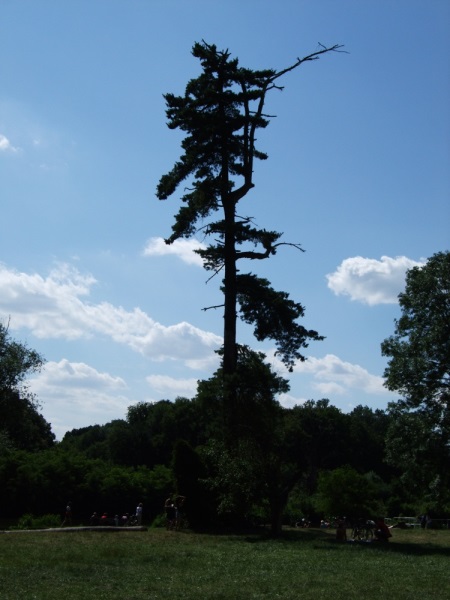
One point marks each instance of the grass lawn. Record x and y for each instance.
(302, 564)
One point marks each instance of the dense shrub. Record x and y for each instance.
(29, 521)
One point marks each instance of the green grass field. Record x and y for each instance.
(302, 564)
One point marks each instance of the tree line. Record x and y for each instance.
(169, 447)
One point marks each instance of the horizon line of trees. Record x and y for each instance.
(178, 447)
(318, 462)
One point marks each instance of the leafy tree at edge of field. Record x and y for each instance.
(22, 426)
(419, 369)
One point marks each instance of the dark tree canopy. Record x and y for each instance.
(419, 350)
(419, 369)
(21, 424)
(16, 361)
(221, 112)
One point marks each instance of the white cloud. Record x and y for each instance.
(50, 307)
(5, 144)
(55, 307)
(371, 281)
(164, 384)
(330, 388)
(289, 401)
(335, 376)
(332, 375)
(75, 395)
(77, 375)
(184, 249)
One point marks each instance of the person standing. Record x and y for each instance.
(179, 503)
(139, 510)
(169, 508)
(67, 515)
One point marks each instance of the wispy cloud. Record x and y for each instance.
(77, 375)
(57, 306)
(289, 401)
(5, 145)
(77, 395)
(183, 249)
(163, 384)
(371, 281)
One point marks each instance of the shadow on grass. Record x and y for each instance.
(409, 548)
(325, 540)
(289, 535)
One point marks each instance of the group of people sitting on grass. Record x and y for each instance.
(364, 530)
(382, 532)
(125, 520)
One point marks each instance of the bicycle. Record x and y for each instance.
(363, 531)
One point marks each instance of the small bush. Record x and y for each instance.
(159, 521)
(29, 521)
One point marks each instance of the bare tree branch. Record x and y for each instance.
(310, 57)
(252, 255)
(209, 307)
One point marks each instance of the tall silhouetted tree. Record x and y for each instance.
(220, 112)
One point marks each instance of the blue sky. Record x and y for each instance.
(358, 173)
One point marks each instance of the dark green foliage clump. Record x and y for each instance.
(418, 439)
(21, 424)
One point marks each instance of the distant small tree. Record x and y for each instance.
(221, 112)
(344, 492)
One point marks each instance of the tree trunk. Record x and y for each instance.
(229, 341)
(230, 318)
(277, 504)
(230, 289)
